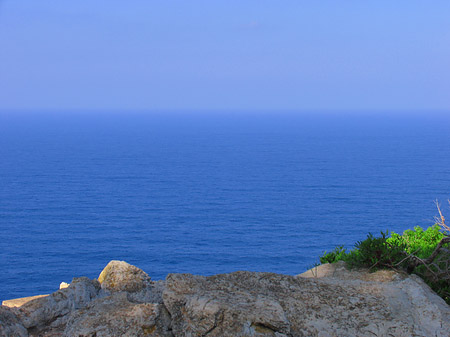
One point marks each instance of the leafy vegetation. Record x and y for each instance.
(336, 255)
(422, 252)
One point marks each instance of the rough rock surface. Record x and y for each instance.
(325, 301)
(10, 324)
(18, 302)
(51, 311)
(265, 304)
(116, 315)
(121, 276)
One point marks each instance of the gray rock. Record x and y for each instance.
(152, 293)
(326, 301)
(223, 305)
(116, 315)
(409, 299)
(41, 312)
(341, 303)
(10, 323)
(121, 276)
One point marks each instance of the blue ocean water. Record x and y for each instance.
(206, 194)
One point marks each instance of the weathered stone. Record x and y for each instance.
(339, 271)
(121, 276)
(326, 301)
(115, 315)
(342, 303)
(152, 293)
(18, 302)
(10, 323)
(220, 306)
(41, 312)
(407, 296)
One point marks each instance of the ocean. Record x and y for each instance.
(207, 193)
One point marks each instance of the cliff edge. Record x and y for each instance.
(328, 300)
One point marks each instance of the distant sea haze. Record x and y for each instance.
(206, 194)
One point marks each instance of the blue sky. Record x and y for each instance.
(224, 55)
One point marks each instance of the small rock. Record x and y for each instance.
(63, 285)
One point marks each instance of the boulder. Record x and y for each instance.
(121, 276)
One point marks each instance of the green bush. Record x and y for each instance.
(392, 252)
(375, 253)
(336, 255)
(418, 241)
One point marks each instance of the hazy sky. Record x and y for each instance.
(226, 55)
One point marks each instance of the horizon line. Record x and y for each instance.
(362, 111)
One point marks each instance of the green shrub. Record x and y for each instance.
(422, 243)
(376, 253)
(418, 241)
(334, 256)
(393, 252)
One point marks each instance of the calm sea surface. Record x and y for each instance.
(205, 195)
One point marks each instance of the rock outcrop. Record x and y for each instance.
(326, 301)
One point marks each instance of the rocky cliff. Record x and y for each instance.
(326, 301)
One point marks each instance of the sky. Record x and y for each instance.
(224, 55)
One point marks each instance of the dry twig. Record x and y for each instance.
(436, 259)
(441, 219)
